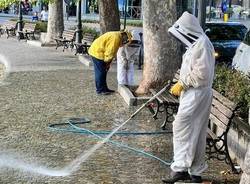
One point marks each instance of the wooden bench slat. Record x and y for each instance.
(220, 116)
(215, 120)
(211, 134)
(223, 109)
(224, 100)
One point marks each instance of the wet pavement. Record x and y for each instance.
(34, 97)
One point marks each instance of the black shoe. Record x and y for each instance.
(177, 176)
(103, 93)
(196, 179)
(110, 90)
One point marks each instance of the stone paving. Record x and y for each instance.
(35, 96)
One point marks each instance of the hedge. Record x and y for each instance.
(235, 86)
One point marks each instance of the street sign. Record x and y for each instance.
(224, 6)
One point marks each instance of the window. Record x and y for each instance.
(226, 32)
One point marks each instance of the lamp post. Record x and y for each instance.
(79, 22)
(20, 17)
(125, 14)
(195, 2)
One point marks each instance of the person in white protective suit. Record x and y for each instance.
(195, 90)
(126, 56)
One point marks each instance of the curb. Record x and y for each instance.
(86, 60)
(129, 98)
(35, 43)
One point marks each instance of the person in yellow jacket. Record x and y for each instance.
(102, 51)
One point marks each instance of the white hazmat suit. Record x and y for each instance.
(196, 77)
(126, 56)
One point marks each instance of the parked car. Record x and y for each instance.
(241, 60)
(225, 37)
(245, 14)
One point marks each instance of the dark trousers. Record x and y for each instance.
(100, 68)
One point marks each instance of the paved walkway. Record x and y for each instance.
(47, 86)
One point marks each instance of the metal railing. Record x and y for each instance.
(132, 12)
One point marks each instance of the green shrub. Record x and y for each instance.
(14, 19)
(235, 86)
(41, 26)
(135, 23)
(129, 22)
(90, 21)
(92, 31)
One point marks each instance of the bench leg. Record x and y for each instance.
(7, 32)
(33, 36)
(71, 46)
(26, 36)
(57, 44)
(168, 111)
(85, 50)
(153, 107)
(65, 46)
(220, 152)
(79, 49)
(76, 52)
(163, 126)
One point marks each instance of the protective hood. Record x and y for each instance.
(187, 29)
(135, 35)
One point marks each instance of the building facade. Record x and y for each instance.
(133, 8)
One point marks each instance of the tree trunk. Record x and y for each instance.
(55, 21)
(161, 51)
(109, 16)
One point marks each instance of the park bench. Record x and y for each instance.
(10, 28)
(220, 120)
(82, 48)
(66, 40)
(27, 32)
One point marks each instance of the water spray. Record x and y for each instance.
(10, 162)
(74, 165)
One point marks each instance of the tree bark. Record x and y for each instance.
(109, 15)
(161, 51)
(55, 21)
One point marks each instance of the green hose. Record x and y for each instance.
(71, 126)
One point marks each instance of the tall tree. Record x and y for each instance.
(109, 15)
(55, 21)
(161, 51)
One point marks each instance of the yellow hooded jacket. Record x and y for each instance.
(106, 46)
